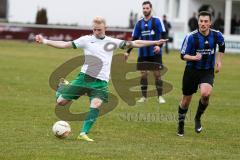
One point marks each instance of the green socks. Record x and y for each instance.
(90, 119)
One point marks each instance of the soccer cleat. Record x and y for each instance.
(85, 138)
(60, 86)
(180, 131)
(161, 100)
(142, 99)
(63, 82)
(198, 126)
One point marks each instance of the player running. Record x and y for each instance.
(199, 50)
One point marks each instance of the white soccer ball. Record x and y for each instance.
(61, 129)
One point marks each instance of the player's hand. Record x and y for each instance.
(39, 38)
(156, 49)
(218, 67)
(126, 56)
(198, 57)
(161, 41)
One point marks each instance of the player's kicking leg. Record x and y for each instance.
(60, 89)
(61, 86)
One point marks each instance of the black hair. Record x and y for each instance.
(205, 13)
(147, 2)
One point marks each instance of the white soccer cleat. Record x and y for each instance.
(142, 99)
(198, 130)
(161, 100)
(198, 126)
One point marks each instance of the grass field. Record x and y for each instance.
(27, 114)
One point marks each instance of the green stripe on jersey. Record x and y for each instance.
(74, 45)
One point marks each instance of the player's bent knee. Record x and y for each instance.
(205, 95)
(157, 74)
(62, 102)
(96, 102)
(144, 74)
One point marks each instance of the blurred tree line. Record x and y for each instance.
(41, 17)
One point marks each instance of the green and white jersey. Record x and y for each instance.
(98, 54)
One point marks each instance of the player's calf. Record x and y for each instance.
(201, 108)
(182, 111)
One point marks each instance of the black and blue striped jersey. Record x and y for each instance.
(148, 30)
(195, 42)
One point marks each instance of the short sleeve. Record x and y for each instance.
(136, 31)
(160, 25)
(220, 39)
(187, 45)
(79, 43)
(119, 43)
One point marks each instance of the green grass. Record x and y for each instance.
(27, 114)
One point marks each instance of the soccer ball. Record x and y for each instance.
(61, 129)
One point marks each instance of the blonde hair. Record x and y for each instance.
(99, 20)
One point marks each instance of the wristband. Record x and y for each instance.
(129, 51)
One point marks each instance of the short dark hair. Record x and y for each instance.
(147, 2)
(205, 13)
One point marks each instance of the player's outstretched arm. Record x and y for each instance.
(57, 44)
(143, 43)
